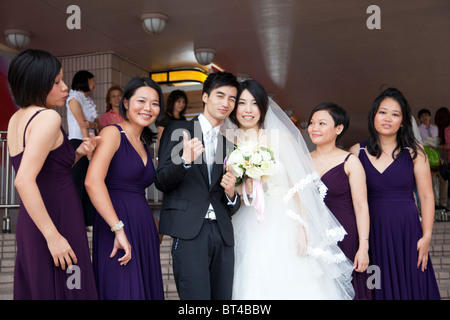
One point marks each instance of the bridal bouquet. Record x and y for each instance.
(257, 162)
(251, 159)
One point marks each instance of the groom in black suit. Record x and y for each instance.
(199, 198)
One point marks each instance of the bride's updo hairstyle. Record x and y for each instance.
(259, 94)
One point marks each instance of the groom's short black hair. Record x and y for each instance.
(219, 79)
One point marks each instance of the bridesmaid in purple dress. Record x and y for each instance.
(119, 173)
(50, 229)
(346, 195)
(394, 161)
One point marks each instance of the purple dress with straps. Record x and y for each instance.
(394, 231)
(339, 201)
(140, 278)
(35, 275)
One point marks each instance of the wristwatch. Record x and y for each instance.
(185, 164)
(119, 225)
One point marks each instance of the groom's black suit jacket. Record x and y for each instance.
(187, 193)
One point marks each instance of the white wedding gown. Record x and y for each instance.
(267, 266)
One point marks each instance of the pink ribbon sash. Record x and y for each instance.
(258, 200)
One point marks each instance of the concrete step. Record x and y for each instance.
(6, 278)
(444, 290)
(440, 262)
(8, 257)
(6, 293)
(7, 264)
(441, 227)
(442, 275)
(439, 251)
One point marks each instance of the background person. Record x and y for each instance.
(82, 120)
(112, 114)
(176, 105)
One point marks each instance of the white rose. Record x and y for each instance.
(247, 165)
(238, 172)
(256, 158)
(254, 173)
(266, 156)
(236, 158)
(268, 167)
(248, 148)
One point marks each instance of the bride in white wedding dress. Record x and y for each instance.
(293, 253)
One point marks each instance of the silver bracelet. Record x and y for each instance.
(119, 225)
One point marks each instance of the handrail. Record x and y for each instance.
(7, 189)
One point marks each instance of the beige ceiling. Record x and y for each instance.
(303, 51)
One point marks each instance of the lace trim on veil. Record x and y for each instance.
(332, 235)
(309, 179)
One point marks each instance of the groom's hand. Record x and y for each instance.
(192, 149)
(228, 183)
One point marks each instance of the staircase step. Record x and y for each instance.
(441, 227)
(6, 278)
(439, 251)
(444, 290)
(6, 293)
(7, 265)
(442, 275)
(440, 262)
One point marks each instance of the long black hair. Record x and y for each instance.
(172, 98)
(405, 134)
(147, 134)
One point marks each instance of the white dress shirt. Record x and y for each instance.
(206, 126)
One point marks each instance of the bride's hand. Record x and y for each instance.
(301, 244)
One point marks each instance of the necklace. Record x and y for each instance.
(389, 155)
(250, 135)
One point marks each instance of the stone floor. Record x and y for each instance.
(439, 252)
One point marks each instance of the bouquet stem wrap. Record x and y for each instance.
(258, 200)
